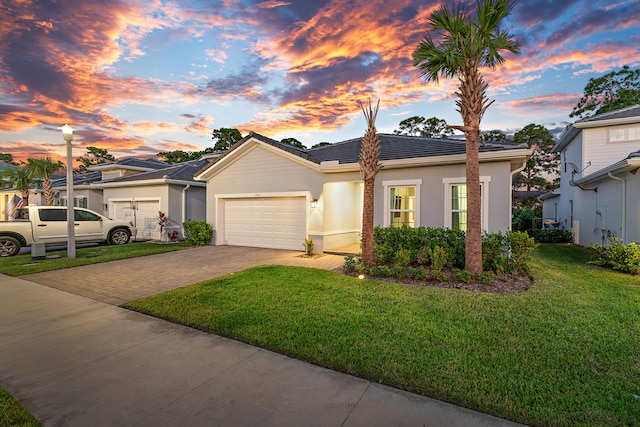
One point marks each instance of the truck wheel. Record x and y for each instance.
(119, 237)
(9, 246)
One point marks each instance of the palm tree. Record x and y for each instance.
(20, 179)
(369, 167)
(44, 168)
(467, 43)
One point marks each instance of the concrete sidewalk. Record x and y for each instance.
(75, 361)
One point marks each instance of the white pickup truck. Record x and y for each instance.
(48, 224)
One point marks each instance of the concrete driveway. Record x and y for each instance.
(117, 282)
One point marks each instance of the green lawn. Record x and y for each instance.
(21, 264)
(565, 352)
(14, 414)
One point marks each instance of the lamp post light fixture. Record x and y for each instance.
(67, 133)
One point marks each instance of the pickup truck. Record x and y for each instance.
(48, 224)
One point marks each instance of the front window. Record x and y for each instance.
(455, 202)
(459, 207)
(402, 209)
(402, 203)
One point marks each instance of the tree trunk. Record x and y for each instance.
(473, 245)
(48, 191)
(367, 223)
(25, 197)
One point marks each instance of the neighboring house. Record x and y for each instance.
(140, 197)
(87, 196)
(267, 194)
(599, 194)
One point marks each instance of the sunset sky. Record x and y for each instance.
(140, 77)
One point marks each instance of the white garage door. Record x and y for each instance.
(143, 213)
(266, 222)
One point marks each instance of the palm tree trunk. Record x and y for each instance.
(48, 191)
(367, 222)
(473, 244)
(25, 197)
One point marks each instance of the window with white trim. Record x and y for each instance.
(402, 203)
(455, 202)
(624, 134)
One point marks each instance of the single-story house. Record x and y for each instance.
(599, 193)
(265, 193)
(140, 197)
(86, 195)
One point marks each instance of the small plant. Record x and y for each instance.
(463, 275)
(163, 223)
(308, 247)
(173, 235)
(438, 258)
(487, 277)
(402, 258)
(351, 264)
(197, 232)
(423, 255)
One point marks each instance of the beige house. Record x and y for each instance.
(263, 193)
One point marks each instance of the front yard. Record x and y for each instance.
(564, 352)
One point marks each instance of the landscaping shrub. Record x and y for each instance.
(616, 255)
(493, 252)
(521, 246)
(398, 250)
(522, 219)
(350, 264)
(551, 235)
(197, 232)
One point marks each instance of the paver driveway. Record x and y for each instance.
(120, 281)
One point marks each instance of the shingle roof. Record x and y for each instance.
(623, 113)
(4, 166)
(130, 162)
(80, 179)
(396, 147)
(179, 172)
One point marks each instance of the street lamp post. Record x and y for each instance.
(67, 133)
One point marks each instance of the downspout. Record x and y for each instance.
(184, 206)
(624, 205)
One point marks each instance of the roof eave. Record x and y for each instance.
(603, 174)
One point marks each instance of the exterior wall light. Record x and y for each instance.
(314, 203)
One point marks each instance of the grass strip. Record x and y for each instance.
(22, 264)
(13, 414)
(565, 352)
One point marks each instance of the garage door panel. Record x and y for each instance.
(270, 222)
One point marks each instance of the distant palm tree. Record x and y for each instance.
(44, 168)
(20, 179)
(369, 167)
(467, 43)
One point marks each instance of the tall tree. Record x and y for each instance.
(225, 137)
(321, 144)
(369, 161)
(411, 126)
(614, 90)
(293, 142)
(432, 127)
(43, 168)
(541, 166)
(93, 156)
(466, 43)
(21, 179)
(495, 136)
(178, 156)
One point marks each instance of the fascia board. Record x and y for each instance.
(608, 122)
(145, 183)
(490, 156)
(604, 172)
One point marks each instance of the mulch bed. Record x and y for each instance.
(507, 284)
